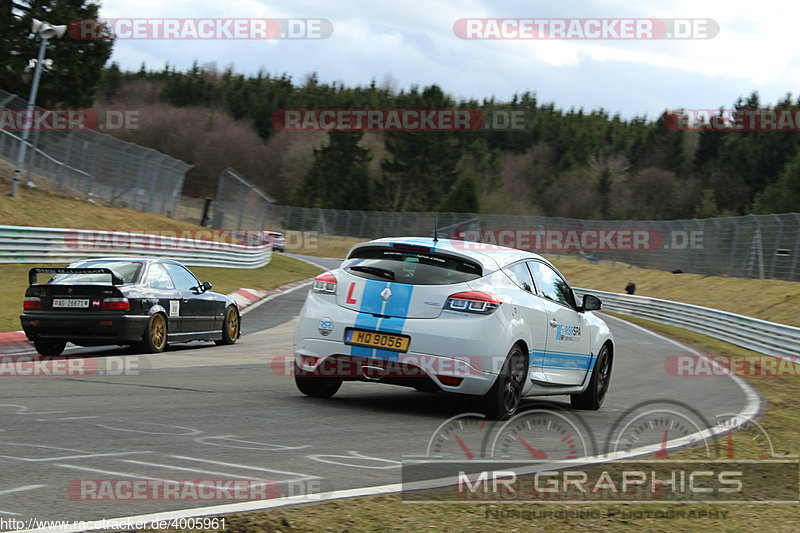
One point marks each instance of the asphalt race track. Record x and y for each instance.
(207, 412)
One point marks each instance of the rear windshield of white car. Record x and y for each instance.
(411, 266)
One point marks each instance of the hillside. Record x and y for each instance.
(572, 163)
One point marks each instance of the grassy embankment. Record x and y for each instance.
(39, 208)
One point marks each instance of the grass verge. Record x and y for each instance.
(388, 513)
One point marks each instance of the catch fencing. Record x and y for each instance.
(239, 204)
(94, 165)
(752, 246)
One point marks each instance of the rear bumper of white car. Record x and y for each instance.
(455, 346)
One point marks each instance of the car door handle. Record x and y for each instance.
(185, 300)
(553, 323)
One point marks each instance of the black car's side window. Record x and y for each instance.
(551, 285)
(183, 279)
(520, 275)
(158, 278)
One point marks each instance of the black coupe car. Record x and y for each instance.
(147, 302)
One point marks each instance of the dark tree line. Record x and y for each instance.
(588, 164)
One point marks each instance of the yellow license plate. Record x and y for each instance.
(376, 339)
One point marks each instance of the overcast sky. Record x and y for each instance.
(413, 42)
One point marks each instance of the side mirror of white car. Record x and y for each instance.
(591, 303)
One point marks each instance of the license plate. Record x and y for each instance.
(70, 302)
(376, 339)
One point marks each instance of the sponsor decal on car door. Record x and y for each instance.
(567, 356)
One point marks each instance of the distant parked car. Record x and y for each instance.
(145, 302)
(277, 239)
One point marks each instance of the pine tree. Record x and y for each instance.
(338, 178)
(77, 64)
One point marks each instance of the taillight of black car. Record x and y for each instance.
(115, 304)
(32, 302)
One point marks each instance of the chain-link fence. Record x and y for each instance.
(753, 246)
(239, 204)
(94, 165)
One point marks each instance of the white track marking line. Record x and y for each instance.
(99, 471)
(20, 489)
(312, 263)
(66, 457)
(247, 467)
(751, 408)
(272, 297)
(185, 469)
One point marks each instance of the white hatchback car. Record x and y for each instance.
(491, 322)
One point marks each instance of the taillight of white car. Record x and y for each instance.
(325, 284)
(478, 302)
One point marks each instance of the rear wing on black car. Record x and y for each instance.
(115, 279)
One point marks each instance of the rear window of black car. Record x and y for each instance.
(412, 266)
(127, 270)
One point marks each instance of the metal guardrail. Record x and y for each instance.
(752, 333)
(26, 244)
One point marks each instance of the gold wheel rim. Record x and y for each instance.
(158, 332)
(233, 324)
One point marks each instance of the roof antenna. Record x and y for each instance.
(435, 227)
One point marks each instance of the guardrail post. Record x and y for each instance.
(90, 171)
(139, 176)
(796, 251)
(153, 180)
(734, 242)
(65, 163)
(777, 245)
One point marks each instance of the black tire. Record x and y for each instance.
(315, 386)
(154, 339)
(502, 400)
(230, 326)
(592, 398)
(49, 347)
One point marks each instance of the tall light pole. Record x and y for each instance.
(45, 31)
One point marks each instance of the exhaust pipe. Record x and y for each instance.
(371, 372)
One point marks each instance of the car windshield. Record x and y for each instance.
(127, 270)
(412, 267)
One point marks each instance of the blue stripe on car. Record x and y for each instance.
(371, 303)
(565, 360)
(397, 306)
